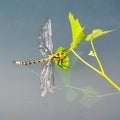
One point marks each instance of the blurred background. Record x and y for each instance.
(20, 22)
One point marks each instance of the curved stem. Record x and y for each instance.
(102, 70)
(86, 63)
(96, 56)
(96, 70)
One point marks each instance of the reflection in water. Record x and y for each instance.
(90, 96)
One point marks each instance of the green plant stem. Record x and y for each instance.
(96, 70)
(101, 67)
(110, 81)
(86, 63)
(96, 56)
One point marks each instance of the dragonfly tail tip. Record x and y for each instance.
(16, 62)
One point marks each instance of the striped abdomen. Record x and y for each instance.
(54, 56)
(30, 62)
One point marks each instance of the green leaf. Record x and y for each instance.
(63, 62)
(97, 33)
(77, 31)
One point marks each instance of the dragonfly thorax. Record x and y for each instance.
(58, 56)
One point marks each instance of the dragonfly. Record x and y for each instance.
(50, 58)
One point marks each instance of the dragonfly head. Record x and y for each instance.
(63, 53)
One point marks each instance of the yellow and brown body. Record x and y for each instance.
(54, 56)
(30, 62)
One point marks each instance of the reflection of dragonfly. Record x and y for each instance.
(46, 47)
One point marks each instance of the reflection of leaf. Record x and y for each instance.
(97, 33)
(77, 31)
(71, 95)
(90, 96)
(66, 78)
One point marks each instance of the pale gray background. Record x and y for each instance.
(20, 22)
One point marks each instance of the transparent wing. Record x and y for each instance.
(45, 39)
(47, 78)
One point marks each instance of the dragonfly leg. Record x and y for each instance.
(62, 64)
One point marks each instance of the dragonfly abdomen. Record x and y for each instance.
(29, 62)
